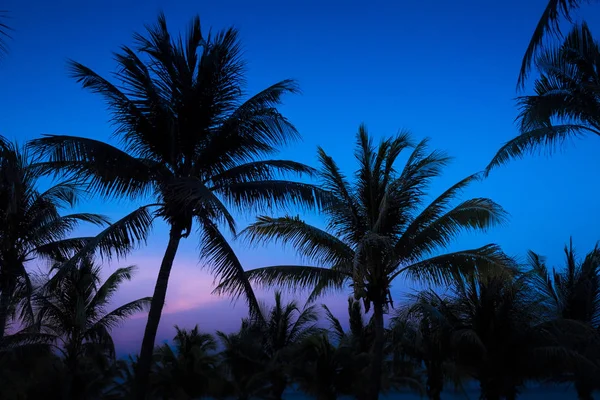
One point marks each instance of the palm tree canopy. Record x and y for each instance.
(33, 224)
(549, 24)
(75, 311)
(566, 100)
(572, 292)
(379, 226)
(191, 137)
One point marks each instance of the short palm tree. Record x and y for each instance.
(378, 231)
(192, 142)
(74, 310)
(424, 330)
(243, 362)
(188, 370)
(501, 334)
(573, 294)
(284, 326)
(566, 100)
(32, 227)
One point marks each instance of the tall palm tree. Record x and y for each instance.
(31, 226)
(549, 24)
(566, 100)
(377, 231)
(74, 311)
(192, 142)
(573, 294)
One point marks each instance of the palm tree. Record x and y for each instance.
(326, 370)
(32, 227)
(501, 336)
(191, 143)
(565, 104)
(424, 328)
(573, 294)
(375, 232)
(74, 311)
(549, 24)
(283, 327)
(244, 362)
(190, 370)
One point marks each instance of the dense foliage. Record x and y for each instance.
(194, 147)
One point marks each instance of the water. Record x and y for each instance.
(539, 393)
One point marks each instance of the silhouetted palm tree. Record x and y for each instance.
(501, 336)
(549, 24)
(243, 361)
(74, 311)
(566, 100)
(191, 143)
(424, 330)
(573, 294)
(376, 233)
(31, 226)
(189, 370)
(284, 327)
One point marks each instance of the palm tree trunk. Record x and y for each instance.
(377, 353)
(156, 306)
(5, 298)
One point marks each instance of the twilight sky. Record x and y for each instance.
(446, 70)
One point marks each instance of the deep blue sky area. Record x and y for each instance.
(441, 69)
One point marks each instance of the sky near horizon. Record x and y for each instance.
(444, 70)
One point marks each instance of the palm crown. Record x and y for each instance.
(565, 104)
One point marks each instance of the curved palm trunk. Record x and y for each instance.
(156, 306)
(377, 352)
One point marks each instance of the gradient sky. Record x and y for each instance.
(441, 69)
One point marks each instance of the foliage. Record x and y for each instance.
(565, 104)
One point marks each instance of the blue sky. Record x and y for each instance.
(444, 70)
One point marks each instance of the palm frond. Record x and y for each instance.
(106, 170)
(291, 277)
(309, 241)
(539, 139)
(335, 327)
(452, 267)
(226, 266)
(473, 214)
(549, 24)
(111, 285)
(119, 314)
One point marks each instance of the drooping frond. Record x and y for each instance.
(225, 265)
(270, 194)
(335, 327)
(291, 277)
(106, 169)
(316, 245)
(260, 170)
(4, 33)
(545, 138)
(451, 267)
(120, 314)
